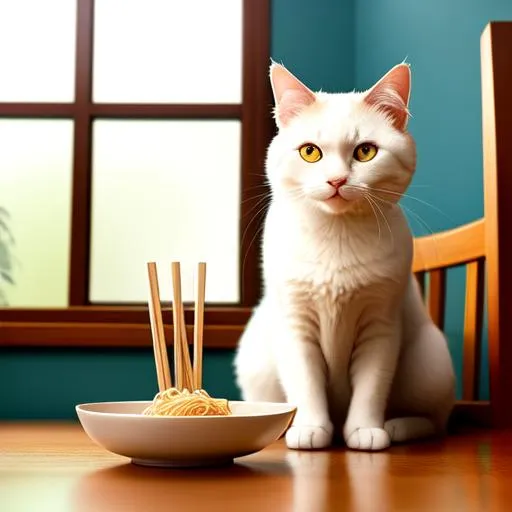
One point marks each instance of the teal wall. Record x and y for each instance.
(333, 45)
(441, 41)
(48, 383)
(315, 40)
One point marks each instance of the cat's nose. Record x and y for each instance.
(338, 182)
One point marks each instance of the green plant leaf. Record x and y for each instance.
(5, 257)
(4, 230)
(6, 277)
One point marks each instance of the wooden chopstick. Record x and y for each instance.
(184, 375)
(176, 319)
(188, 378)
(199, 325)
(157, 330)
(182, 362)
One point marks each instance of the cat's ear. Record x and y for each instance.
(290, 94)
(391, 95)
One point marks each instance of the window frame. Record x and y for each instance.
(82, 324)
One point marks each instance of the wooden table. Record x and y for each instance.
(55, 467)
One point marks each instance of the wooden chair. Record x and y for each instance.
(483, 246)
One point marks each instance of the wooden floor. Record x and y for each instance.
(51, 467)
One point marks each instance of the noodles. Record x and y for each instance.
(178, 400)
(173, 402)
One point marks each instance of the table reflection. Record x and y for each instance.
(417, 477)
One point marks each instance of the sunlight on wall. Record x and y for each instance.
(35, 188)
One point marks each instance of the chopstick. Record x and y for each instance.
(183, 367)
(199, 325)
(176, 299)
(188, 375)
(185, 375)
(157, 330)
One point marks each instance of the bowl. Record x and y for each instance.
(184, 441)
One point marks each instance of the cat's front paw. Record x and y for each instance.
(368, 439)
(308, 437)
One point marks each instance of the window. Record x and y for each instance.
(131, 130)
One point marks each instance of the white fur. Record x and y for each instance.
(341, 330)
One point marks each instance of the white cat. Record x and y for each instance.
(341, 331)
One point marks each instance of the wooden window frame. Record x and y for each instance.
(85, 325)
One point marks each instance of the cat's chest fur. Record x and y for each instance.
(334, 263)
(335, 275)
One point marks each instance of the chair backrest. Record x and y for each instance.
(433, 256)
(483, 246)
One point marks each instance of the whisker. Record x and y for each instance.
(255, 216)
(376, 201)
(374, 213)
(257, 232)
(251, 198)
(264, 201)
(418, 219)
(385, 219)
(416, 216)
(425, 225)
(257, 185)
(259, 194)
(386, 191)
(409, 196)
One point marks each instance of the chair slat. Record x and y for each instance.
(450, 248)
(473, 317)
(436, 296)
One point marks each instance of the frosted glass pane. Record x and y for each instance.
(35, 188)
(37, 50)
(164, 191)
(168, 51)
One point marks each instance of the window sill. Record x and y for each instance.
(112, 327)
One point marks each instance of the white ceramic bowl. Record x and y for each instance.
(119, 427)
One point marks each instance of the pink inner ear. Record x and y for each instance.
(290, 94)
(391, 95)
(292, 102)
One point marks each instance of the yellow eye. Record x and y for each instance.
(310, 153)
(365, 152)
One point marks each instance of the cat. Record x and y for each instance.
(341, 330)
